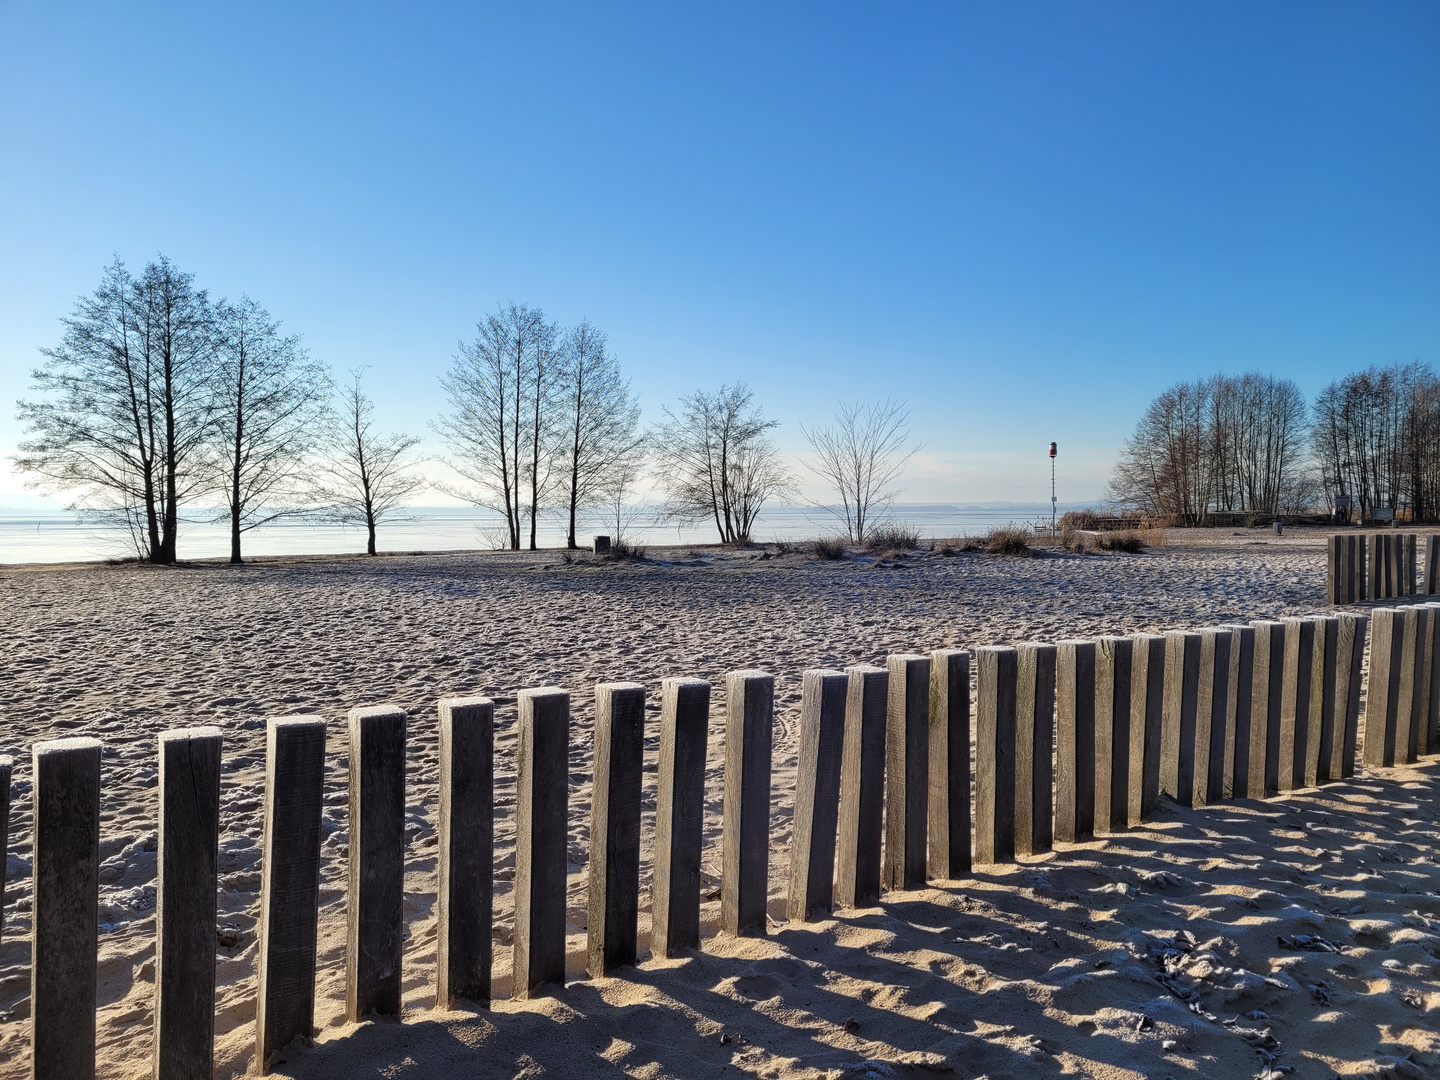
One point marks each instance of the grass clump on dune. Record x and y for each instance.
(1010, 540)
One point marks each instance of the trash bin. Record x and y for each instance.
(602, 545)
(1279, 529)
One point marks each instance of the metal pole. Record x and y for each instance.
(1053, 451)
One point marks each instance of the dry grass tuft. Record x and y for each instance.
(829, 548)
(1011, 540)
(894, 537)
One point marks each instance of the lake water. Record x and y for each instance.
(49, 538)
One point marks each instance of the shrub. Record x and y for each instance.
(1073, 541)
(829, 548)
(894, 537)
(1011, 540)
(787, 547)
(1128, 541)
(627, 551)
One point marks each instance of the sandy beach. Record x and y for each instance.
(1154, 953)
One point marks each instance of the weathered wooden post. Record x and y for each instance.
(65, 909)
(745, 871)
(1387, 632)
(1412, 706)
(862, 787)
(1236, 783)
(1320, 741)
(1380, 554)
(1182, 699)
(1295, 702)
(1074, 741)
(1349, 652)
(375, 907)
(1432, 564)
(679, 816)
(949, 805)
(1211, 710)
(1362, 549)
(1113, 676)
(1267, 692)
(1147, 712)
(907, 771)
(995, 754)
(1034, 748)
(7, 768)
(1428, 739)
(613, 896)
(289, 885)
(187, 867)
(1407, 564)
(1339, 551)
(817, 794)
(542, 798)
(466, 894)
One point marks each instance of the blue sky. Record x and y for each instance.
(1026, 220)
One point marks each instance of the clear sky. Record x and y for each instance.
(1023, 219)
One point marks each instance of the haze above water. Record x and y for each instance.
(59, 538)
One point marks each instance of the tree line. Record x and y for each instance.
(159, 397)
(1250, 444)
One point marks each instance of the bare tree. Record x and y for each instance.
(1233, 444)
(500, 427)
(270, 402)
(602, 441)
(129, 406)
(714, 459)
(365, 476)
(861, 457)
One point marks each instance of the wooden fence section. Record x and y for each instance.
(1379, 566)
(1070, 740)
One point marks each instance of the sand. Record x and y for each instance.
(1155, 953)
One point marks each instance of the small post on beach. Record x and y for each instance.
(907, 771)
(1349, 653)
(65, 932)
(1383, 693)
(1182, 699)
(1379, 560)
(613, 895)
(996, 679)
(1412, 705)
(1337, 570)
(862, 787)
(1235, 783)
(1320, 742)
(1428, 740)
(1074, 741)
(1267, 688)
(7, 768)
(1034, 746)
(542, 799)
(1432, 564)
(289, 885)
(949, 806)
(1147, 713)
(679, 816)
(375, 907)
(817, 794)
(466, 893)
(1210, 716)
(187, 867)
(1295, 702)
(1114, 657)
(745, 841)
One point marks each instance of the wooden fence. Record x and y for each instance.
(1070, 740)
(1379, 566)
